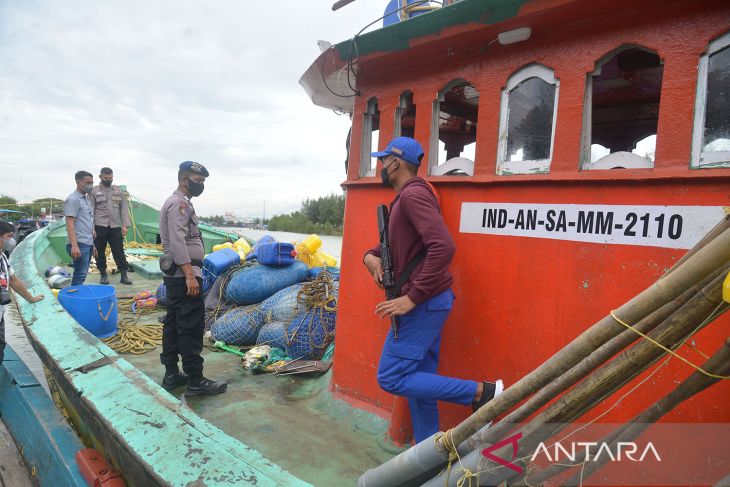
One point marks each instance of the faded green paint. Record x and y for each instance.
(399, 36)
(232, 439)
(294, 420)
(167, 435)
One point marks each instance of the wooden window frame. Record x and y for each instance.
(456, 163)
(700, 159)
(622, 159)
(367, 169)
(540, 166)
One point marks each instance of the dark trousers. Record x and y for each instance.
(114, 237)
(182, 332)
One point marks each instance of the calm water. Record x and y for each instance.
(330, 245)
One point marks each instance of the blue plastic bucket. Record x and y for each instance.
(93, 306)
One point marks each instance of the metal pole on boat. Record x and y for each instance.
(341, 3)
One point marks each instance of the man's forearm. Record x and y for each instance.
(18, 286)
(71, 232)
(187, 270)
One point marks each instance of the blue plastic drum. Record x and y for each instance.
(93, 306)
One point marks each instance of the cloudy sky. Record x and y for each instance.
(142, 85)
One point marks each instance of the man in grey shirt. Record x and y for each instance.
(111, 219)
(79, 227)
(182, 333)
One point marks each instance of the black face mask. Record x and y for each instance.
(106, 183)
(385, 177)
(196, 189)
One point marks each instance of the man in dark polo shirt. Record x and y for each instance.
(417, 231)
(182, 332)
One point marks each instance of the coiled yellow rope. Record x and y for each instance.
(135, 338)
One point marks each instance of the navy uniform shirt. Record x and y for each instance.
(179, 232)
(77, 206)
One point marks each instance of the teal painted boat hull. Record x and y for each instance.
(47, 443)
(146, 433)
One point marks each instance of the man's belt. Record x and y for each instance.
(168, 266)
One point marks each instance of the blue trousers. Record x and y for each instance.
(408, 365)
(81, 265)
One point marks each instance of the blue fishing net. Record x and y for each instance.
(239, 326)
(161, 295)
(283, 305)
(310, 333)
(273, 334)
(312, 329)
(255, 283)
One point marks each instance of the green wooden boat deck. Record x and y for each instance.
(264, 430)
(292, 420)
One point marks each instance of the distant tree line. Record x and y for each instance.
(323, 216)
(29, 209)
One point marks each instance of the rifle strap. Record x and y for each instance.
(410, 267)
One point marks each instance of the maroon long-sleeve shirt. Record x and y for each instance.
(416, 224)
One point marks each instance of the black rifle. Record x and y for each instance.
(388, 274)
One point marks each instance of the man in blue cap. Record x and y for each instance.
(420, 243)
(182, 333)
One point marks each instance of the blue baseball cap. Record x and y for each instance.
(405, 148)
(194, 167)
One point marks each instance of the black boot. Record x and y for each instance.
(174, 380)
(205, 387)
(124, 279)
(104, 278)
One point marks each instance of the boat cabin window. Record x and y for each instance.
(370, 138)
(621, 110)
(527, 121)
(454, 130)
(405, 116)
(711, 137)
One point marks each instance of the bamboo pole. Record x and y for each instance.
(718, 364)
(722, 225)
(603, 382)
(582, 369)
(715, 253)
(712, 255)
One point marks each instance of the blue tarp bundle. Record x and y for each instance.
(239, 326)
(273, 334)
(255, 283)
(283, 305)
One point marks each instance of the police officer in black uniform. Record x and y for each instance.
(182, 334)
